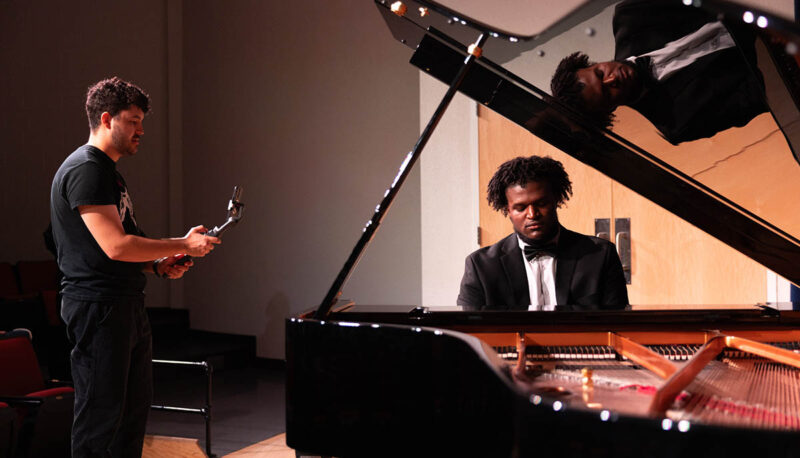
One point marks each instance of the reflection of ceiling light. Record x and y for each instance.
(605, 415)
(513, 39)
(399, 8)
(761, 22)
(666, 424)
(684, 426)
(791, 48)
(687, 2)
(748, 17)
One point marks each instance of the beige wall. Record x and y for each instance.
(450, 197)
(311, 110)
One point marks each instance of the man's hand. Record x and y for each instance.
(167, 267)
(198, 244)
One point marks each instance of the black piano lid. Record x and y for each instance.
(762, 223)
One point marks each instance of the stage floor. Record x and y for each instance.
(248, 408)
(178, 447)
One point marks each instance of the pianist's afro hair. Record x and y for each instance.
(565, 87)
(523, 170)
(113, 95)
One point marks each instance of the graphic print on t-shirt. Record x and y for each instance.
(125, 205)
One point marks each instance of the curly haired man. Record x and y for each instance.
(542, 265)
(103, 255)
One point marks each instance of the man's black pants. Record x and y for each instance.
(113, 376)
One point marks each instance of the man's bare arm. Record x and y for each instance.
(104, 224)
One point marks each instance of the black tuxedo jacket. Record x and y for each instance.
(721, 90)
(588, 276)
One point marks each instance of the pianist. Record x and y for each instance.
(542, 265)
(676, 65)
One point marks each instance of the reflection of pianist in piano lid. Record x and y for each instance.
(689, 74)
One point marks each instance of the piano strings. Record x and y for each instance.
(737, 388)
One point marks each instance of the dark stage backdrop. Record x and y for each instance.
(309, 106)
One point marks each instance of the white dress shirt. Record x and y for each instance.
(541, 272)
(675, 55)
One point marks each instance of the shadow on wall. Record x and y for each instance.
(271, 342)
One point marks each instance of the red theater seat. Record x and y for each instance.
(44, 413)
(21, 373)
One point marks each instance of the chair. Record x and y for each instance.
(41, 312)
(44, 414)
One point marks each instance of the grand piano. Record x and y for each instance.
(441, 381)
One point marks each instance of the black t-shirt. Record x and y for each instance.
(89, 177)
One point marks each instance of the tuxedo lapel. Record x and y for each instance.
(518, 296)
(565, 266)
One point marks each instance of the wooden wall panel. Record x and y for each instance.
(673, 262)
(752, 166)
